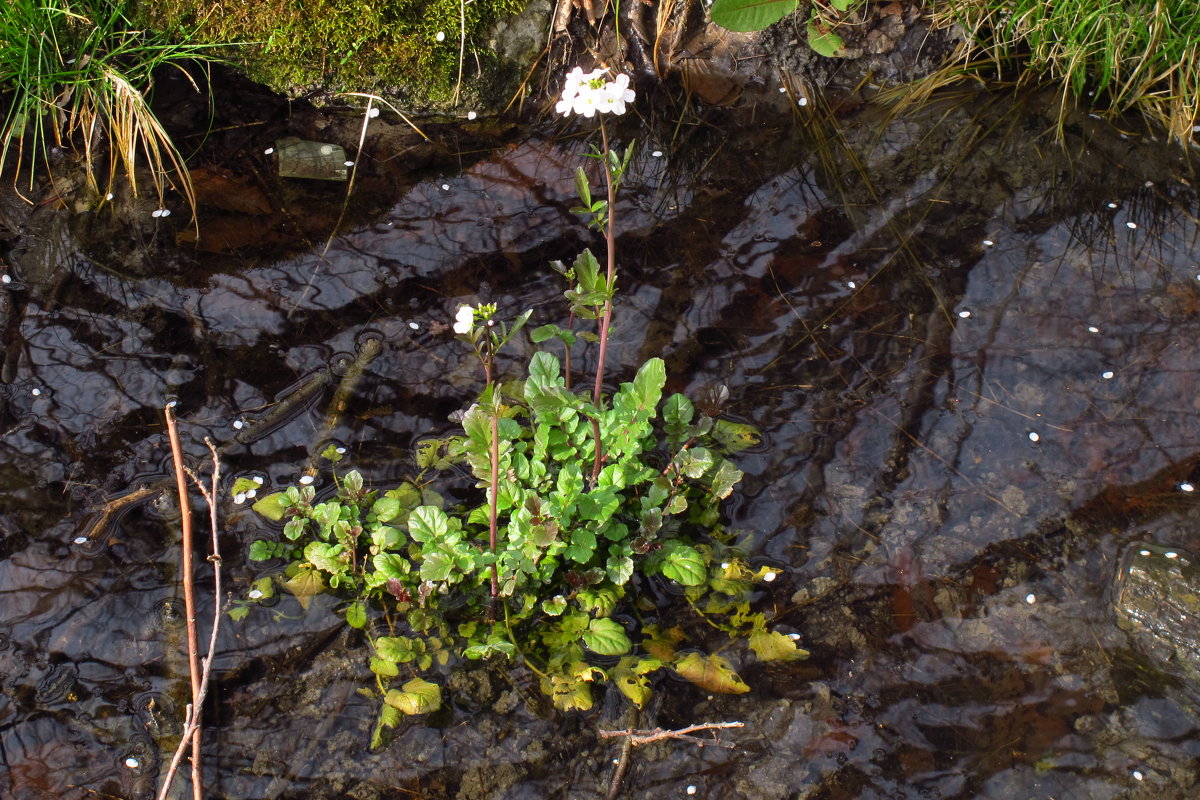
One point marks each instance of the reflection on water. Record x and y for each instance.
(970, 354)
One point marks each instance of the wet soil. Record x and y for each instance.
(967, 344)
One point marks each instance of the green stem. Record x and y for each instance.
(606, 319)
(494, 457)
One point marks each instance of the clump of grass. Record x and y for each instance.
(1130, 55)
(76, 73)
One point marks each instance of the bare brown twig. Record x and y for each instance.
(199, 677)
(637, 737)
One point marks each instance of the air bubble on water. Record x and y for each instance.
(471, 115)
(254, 594)
(445, 187)
(1112, 205)
(305, 480)
(988, 243)
(770, 576)
(132, 763)
(108, 196)
(691, 790)
(1034, 437)
(794, 636)
(1131, 225)
(81, 540)
(341, 451)
(238, 424)
(803, 101)
(348, 163)
(268, 151)
(1143, 552)
(36, 392)
(1031, 598)
(1107, 374)
(373, 113)
(964, 314)
(852, 284)
(1187, 487)
(1138, 776)
(6, 278)
(414, 326)
(1093, 329)
(783, 90)
(259, 479)
(1171, 554)
(656, 154)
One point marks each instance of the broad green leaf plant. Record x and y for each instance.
(755, 15)
(584, 500)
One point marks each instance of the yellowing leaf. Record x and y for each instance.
(305, 584)
(418, 696)
(712, 673)
(661, 644)
(271, 506)
(775, 646)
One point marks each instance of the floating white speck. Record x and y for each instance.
(1143, 552)
(1112, 205)
(258, 479)
(348, 163)
(803, 101)
(108, 196)
(770, 576)
(1137, 775)
(1131, 225)
(710, 697)
(268, 151)
(964, 314)
(341, 451)
(132, 763)
(471, 115)
(1107, 374)
(238, 424)
(1187, 487)
(656, 154)
(254, 594)
(305, 480)
(1093, 329)
(1171, 554)
(988, 243)
(373, 113)
(440, 36)
(852, 284)
(36, 392)
(445, 187)
(691, 790)
(1148, 184)
(172, 404)
(251, 494)
(156, 213)
(1031, 598)
(616, 761)
(6, 278)
(794, 636)
(81, 540)
(783, 90)
(724, 565)
(1033, 436)
(414, 326)
(239, 498)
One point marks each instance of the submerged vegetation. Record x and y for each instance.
(78, 73)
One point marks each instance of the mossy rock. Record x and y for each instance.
(407, 49)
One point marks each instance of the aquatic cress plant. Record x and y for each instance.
(585, 501)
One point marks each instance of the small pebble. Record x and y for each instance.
(1031, 598)
(1033, 436)
(305, 480)
(1131, 225)
(1107, 374)
(440, 36)
(254, 594)
(471, 115)
(268, 151)
(132, 763)
(414, 326)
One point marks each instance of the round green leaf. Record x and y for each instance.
(606, 637)
(750, 15)
(684, 564)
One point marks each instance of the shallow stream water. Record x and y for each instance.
(969, 348)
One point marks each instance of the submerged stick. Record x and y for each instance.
(189, 598)
(637, 738)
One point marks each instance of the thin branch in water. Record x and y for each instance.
(637, 738)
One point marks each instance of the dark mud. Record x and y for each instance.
(968, 346)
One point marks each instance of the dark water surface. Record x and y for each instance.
(971, 351)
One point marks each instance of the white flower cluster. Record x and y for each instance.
(587, 93)
(463, 320)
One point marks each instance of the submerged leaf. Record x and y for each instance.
(775, 646)
(712, 673)
(418, 696)
(272, 506)
(304, 585)
(606, 637)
